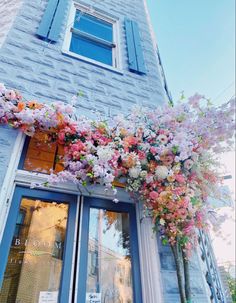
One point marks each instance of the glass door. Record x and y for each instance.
(109, 261)
(37, 247)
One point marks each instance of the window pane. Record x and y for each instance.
(91, 49)
(42, 157)
(93, 26)
(109, 261)
(35, 260)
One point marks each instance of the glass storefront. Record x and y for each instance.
(34, 265)
(48, 257)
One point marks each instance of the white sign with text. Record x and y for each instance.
(48, 296)
(93, 297)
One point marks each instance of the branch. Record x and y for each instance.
(186, 276)
(178, 263)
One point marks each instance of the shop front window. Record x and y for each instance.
(109, 254)
(34, 264)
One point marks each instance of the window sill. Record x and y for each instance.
(93, 62)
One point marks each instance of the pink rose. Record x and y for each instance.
(77, 147)
(153, 195)
(61, 137)
(180, 178)
(141, 155)
(153, 150)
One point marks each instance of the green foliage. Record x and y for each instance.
(183, 240)
(232, 287)
(194, 201)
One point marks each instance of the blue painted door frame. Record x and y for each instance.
(134, 248)
(21, 192)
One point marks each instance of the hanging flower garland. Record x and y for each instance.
(165, 155)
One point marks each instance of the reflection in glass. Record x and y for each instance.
(109, 260)
(42, 157)
(35, 259)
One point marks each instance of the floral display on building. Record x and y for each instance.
(165, 156)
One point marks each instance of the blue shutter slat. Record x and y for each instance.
(47, 19)
(130, 46)
(138, 49)
(58, 20)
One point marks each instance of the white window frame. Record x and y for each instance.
(116, 56)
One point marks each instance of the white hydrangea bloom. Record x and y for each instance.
(134, 172)
(161, 172)
(104, 153)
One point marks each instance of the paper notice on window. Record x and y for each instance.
(48, 297)
(92, 297)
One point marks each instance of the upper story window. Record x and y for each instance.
(92, 36)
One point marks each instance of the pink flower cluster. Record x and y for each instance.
(165, 155)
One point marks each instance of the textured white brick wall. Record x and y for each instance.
(8, 12)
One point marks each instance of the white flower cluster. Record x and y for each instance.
(161, 172)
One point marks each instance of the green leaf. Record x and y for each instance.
(164, 241)
(194, 201)
(80, 93)
(184, 240)
(90, 175)
(175, 149)
(181, 117)
(209, 103)
(150, 157)
(182, 96)
(201, 114)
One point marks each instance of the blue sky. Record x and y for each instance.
(196, 40)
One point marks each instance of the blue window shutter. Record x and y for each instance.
(47, 19)
(58, 20)
(130, 46)
(134, 47)
(138, 49)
